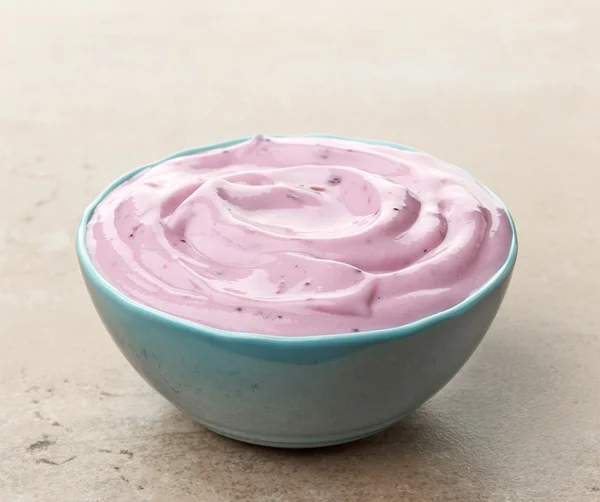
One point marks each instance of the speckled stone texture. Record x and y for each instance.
(510, 91)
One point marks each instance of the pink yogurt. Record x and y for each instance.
(300, 236)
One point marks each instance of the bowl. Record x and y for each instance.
(295, 392)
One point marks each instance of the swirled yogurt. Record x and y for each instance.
(300, 236)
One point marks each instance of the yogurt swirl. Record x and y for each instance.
(300, 236)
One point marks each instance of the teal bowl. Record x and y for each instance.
(295, 392)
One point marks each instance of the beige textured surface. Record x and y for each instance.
(510, 90)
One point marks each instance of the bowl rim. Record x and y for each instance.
(371, 336)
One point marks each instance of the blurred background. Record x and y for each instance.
(508, 90)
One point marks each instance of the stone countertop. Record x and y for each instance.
(511, 92)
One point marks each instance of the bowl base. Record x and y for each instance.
(300, 442)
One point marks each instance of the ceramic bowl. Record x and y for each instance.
(292, 392)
